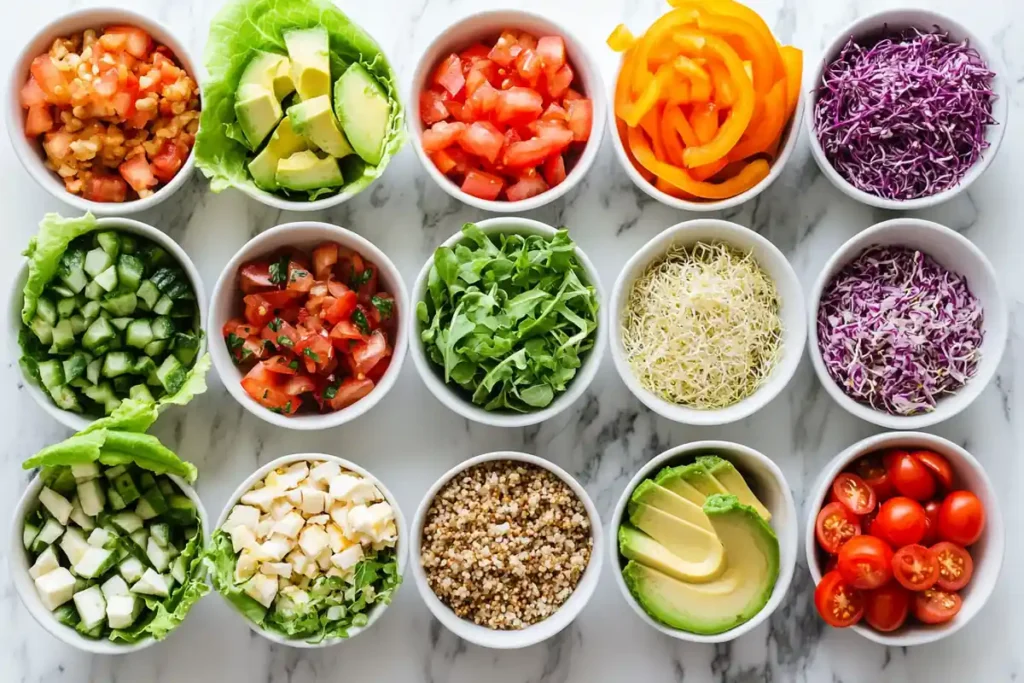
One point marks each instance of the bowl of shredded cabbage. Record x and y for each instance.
(708, 321)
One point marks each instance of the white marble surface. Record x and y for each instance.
(410, 439)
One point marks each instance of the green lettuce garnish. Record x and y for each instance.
(240, 29)
(373, 582)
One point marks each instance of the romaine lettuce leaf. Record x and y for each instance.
(44, 252)
(220, 559)
(236, 32)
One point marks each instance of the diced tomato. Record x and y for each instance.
(367, 283)
(449, 74)
(50, 80)
(169, 71)
(559, 81)
(444, 161)
(441, 135)
(345, 331)
(483, 185)
(556, 133)
(105, 188)
(551, 50)
(483, 139)
(581, 119)
(58, 144)
(484, 98)
(299, 384)
(459, 111)
(324, 258)
(168, 160)
(526, 188)
(556, 113)
(341, 308)
(31, 94)
(106, 85)
(280, 365)
(350, 391)
(255, 277)
(554, 170)
(39, 120)
(505, 50)
(473, 53)
(137, 173)
(252, 349)
(258, 312)
(350, 265)
(432, 107)
(299, 277)
(571, 95)
(529, 66)
(530, 152)
(377, 371)
(139, 43)
(113, 42)
(519, 105)
(278, 298)
(264, 388)
(315, 351)
(367, 354)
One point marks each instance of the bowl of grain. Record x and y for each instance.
(507, 549)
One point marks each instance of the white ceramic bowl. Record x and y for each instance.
(542, 630)
(790, 135)
(771, 260)
(897, 19)
(451, 395)
(987, 553)
(71, 420)
(30, 153)
(400, 547)
(488, 25)
(18, 564)
(227, 303)
(769, 485)
(954, 252)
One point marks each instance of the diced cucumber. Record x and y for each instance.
(123, 383)
(107, 279)
(65, 398)
(120, 305)
(144, 365)
(163, 278)
(179, 570)
(166, 487)
(163, 327)
(140, 392)
(156, 256)
(42, 329)
(129, 243)
(51, 373)
(78, 323)
(113, 587)
(28, 534)
(67, 615)
(131, 569)
(94, 291)
(66, 306)
(90, 495)
(100, 538)
(60, 290)
(117, 363)
(140, 537)
(121, 324)
(178, 287)
(80, 383)
(151, 583)
(96, 632)
(112, 473)
(99, 333)
(90, 310)
(129, 272)
(125, 486)
(152, 504)
(92, 370)
(75, 366)
(63, 336)
(110, 242)
(129, 522)
(146, 481)
(183, 309)
(97, 261)
(56, 504)
(171, 374)
(157, 555)
(139, 333)
(79, 517)
(46, 310)
(92, 608)
(157, 347)
(148, 293)
(50, 532)
(181, 511)
(45, 563)
(85, 471)
(186, 348)
(60, 479)
(115, 500)
(160, 533)
(163, 305)
(72, 270)
(74, 545)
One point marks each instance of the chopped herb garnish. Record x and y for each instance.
(279, 271)
(331, 391)
(384, 306)
(360, 321)
(310, 353)
(298, 274)
(269, 346)
(266, 392)
(275, 410)
(294, 365)
(285, 341)
(234, 341)
(288, 407)
(246, 353)
(275, 324)
(362, 278)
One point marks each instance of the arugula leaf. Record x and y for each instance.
(384, 306)
(359, 319)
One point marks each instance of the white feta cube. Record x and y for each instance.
(282, 569)
(325, 471)
(298, 561)
(265, 527)
(45, 563)
(335, 538)
(339, 513)
(120, 611)
(262, 589)
(323, 560)
(313, 501)
(55, 587)
(294, 496)
(290, 477)
(242, 538)
(242, 515)
(353, 489)
(280, 508)
(92, 608)
(263, 498)
(319, 520)
(347, 558)
(313, 540)
(289, 526)
(275, 548)
(360, 523)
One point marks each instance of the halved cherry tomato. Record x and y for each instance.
(865, 562)
(961, 518)
(931, 532)
(838, 603)
(871, 469)
(350, 391)
(936, 606)
(909, 476)
(938, 466)
(835, 526)
(955, 565)
(915, 567)
(851, 491)
(900, 521)
(886, 608)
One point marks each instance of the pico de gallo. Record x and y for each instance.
(114, 111)
(506, 120)
(317, 331)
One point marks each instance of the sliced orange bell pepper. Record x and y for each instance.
(651, 124)
(730, 8)
(793, 61)
(659, 30)
(752, 50)
(725, 93)
(769, 128)
(635, 111)
(677, 119)
(704, 119)
(623, 93)
(670, 189)
(678, 92)
(623, 136)
(708, 170)
(621, 38)
(670, 138)
(700, 79)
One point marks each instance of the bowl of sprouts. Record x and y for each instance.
(707, 322)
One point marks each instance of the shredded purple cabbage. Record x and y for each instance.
(904, 116)
(897, 331)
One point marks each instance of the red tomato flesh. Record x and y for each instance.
(961, 518)
(865, 562)
(854, 493)
(835, 526)
(915, 567)
(886, 608)
(936, 606)
(838, 603)
(955, 565)
(900, 521)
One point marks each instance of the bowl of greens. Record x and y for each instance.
(106, 543)
(103, 310)
(301, 108)
(507, 323)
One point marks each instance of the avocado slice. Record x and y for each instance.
(752, 558)
(698, 477)
(306, 171)
(283, 84)
(256, 107)
(314, 120)
(638, 546)
(364, 111)
(672, 478)
(730, 479)
(687, 541)
(284, 142)
(308, 49)
(658, 496)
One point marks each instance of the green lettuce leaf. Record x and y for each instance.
(220, 559)
(240, 29)
(195, 384)
(44, 252)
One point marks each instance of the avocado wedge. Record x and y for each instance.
(732, 481)
(660, 497)
(687, 541)
(364, 111)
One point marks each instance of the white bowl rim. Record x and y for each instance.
(30, 599)
(786, 570)
(224, 367)
(590, 150)
(585, 373)
(67, 418)
(400, 547)
(928, 17)
(43, 176)
(993, 526)
(968, 393)
(493, 638)
(794, 340)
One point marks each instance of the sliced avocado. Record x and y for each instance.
(658, 496)
(284, 142)
(256, 107)
(638, 546)
(283, 84)
(672, 478)
(730, 479)
(687, 541)
(314, 120)
(308, 49)
(698, 477)
(261, 70)
(752, 558)
(364, 111)
(306, 171)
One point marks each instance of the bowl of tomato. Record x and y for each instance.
(905, 540)
(310, 319)
(510, 106)
(103, 110)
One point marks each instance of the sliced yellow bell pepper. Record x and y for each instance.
(760, 138)
(621, 38)
(793, 61)
(660, 29)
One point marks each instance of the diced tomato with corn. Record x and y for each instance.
(502, 120)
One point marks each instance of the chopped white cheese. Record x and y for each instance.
(242, 515)
(313, 540)
(289, 526)
(55, 587)
(347, 558)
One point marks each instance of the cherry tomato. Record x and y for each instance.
(886, 608)
(865, 562)
(931, 511)
(835, 526)
(873, 472)
(915, 567)
(901, 521)
(936, 606)
(961, 518)
(851, 491)
(955, 565)
(838, 603)
(938, 466)
(909, 477)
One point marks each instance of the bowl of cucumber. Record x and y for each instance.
(108, 559)
(102, 310)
